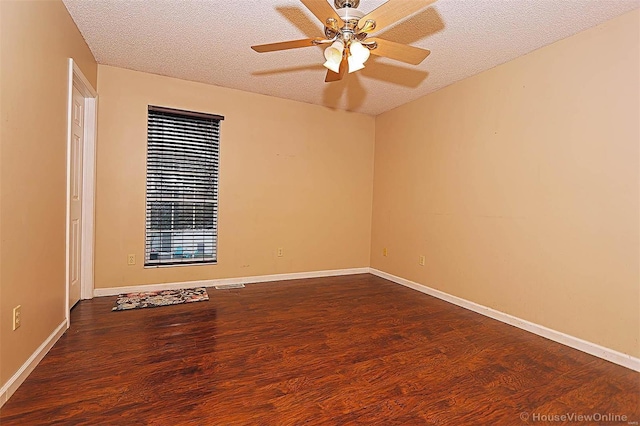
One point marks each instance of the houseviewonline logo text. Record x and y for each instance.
(576, 417)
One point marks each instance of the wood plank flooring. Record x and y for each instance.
(328, 351)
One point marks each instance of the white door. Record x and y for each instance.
(75, 207)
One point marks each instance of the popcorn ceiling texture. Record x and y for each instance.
(209, 41)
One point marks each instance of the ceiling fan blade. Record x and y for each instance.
(322, 10)
(284, 45)
(332, 76)
(391, 12)
(399, 52)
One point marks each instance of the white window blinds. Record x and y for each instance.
(182, 187)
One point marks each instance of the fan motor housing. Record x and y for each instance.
(346, 3)
(346, 10)
(349, 14)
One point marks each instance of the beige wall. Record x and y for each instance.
(36, 39)
(520, 186)
(292, 175)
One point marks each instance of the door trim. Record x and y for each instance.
(77, 79)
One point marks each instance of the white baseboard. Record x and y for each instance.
(23, 372)
(557, 336)
(113, 291)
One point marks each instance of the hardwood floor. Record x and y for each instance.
(328, 351)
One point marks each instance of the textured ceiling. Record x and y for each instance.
(209, 41)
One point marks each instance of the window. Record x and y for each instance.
(182, 187)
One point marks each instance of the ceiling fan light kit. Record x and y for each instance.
(357, 55)
(354, 65)
(334, 51)
(346, 30)
(359, 52)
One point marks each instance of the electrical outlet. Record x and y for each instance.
(131, 259)
(17, 317)
(421, 260)
(384, 252)
(280, 252)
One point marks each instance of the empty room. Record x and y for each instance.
(321, 212)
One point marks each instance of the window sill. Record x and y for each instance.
(181, 265)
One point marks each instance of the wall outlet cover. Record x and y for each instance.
(17, 317)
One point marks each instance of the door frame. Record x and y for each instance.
(77, 79)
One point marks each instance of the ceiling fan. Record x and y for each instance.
(346, 33)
